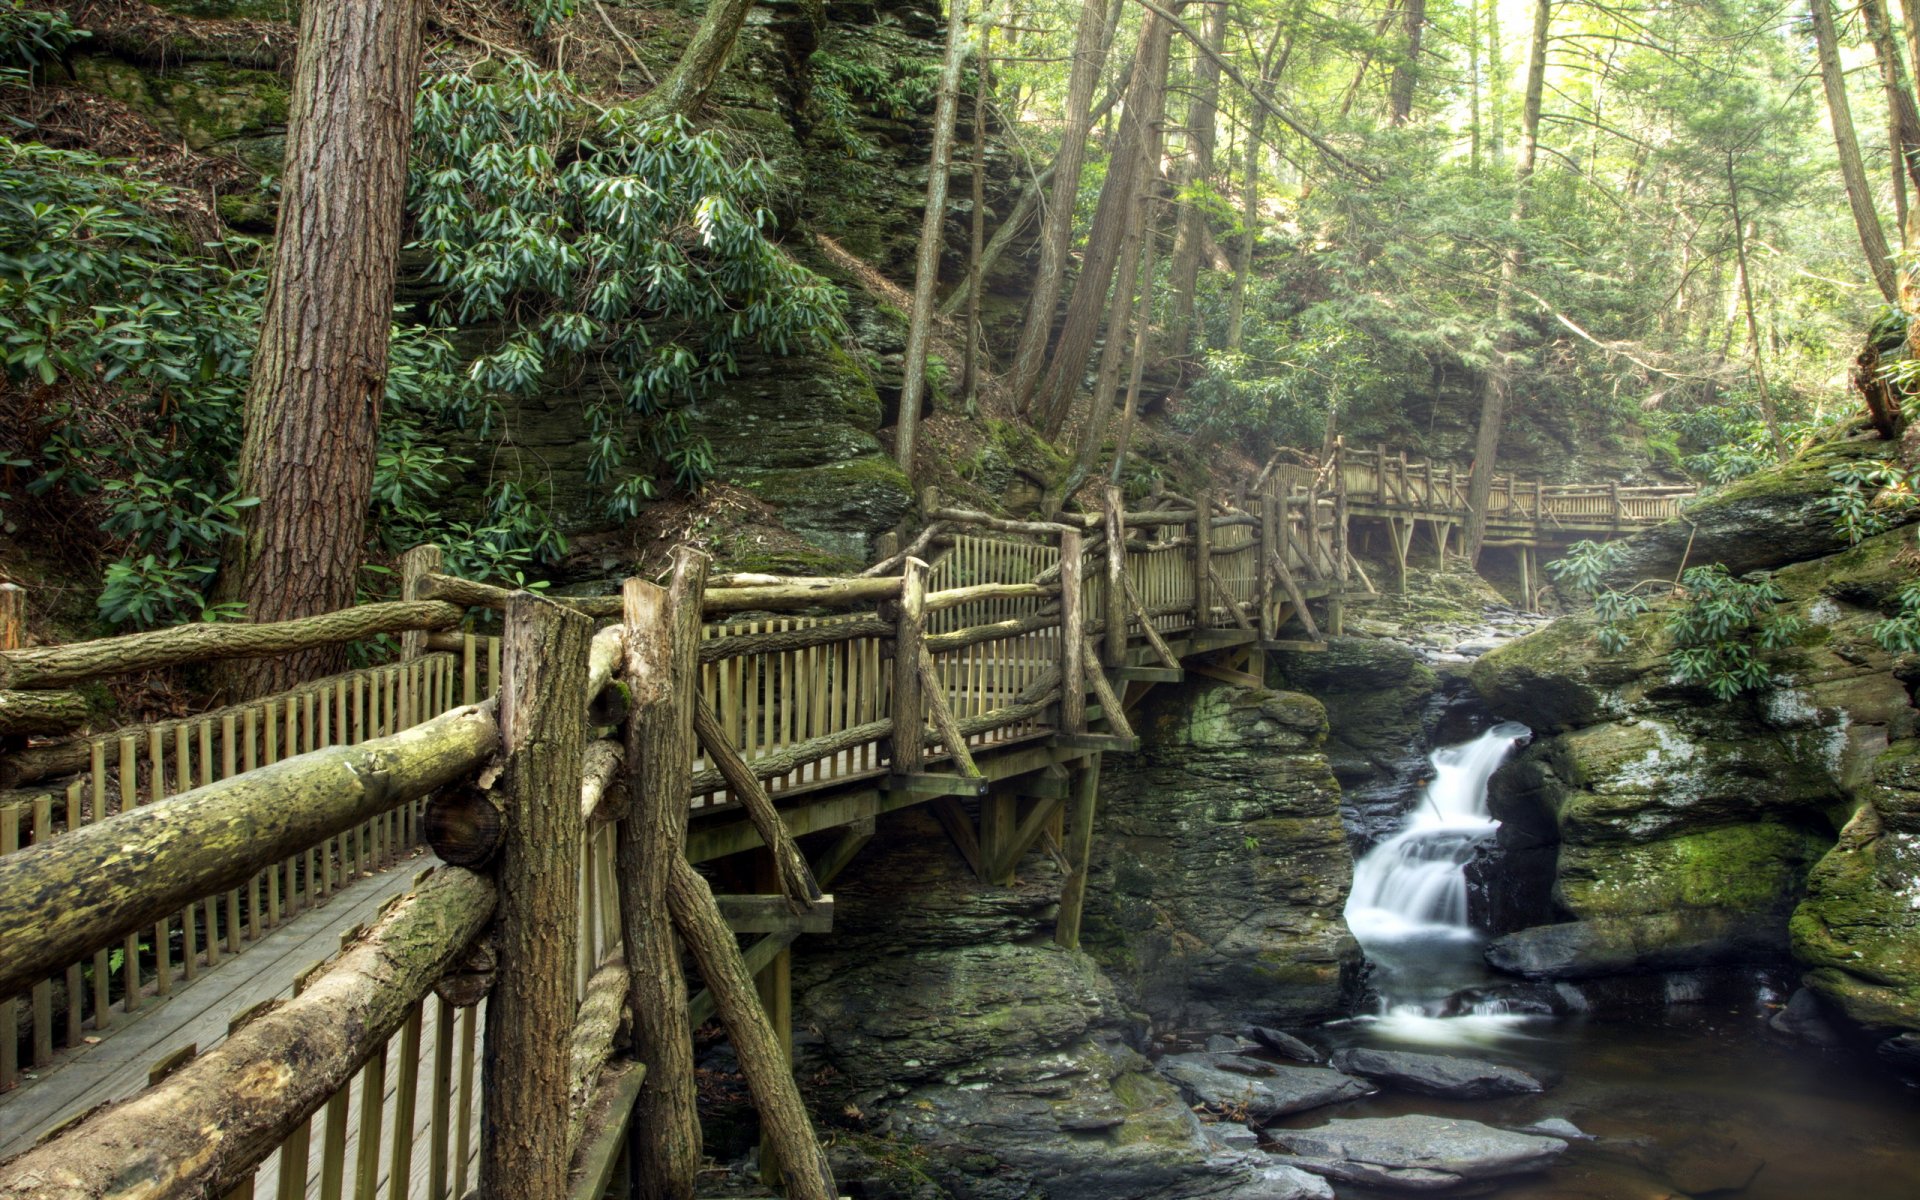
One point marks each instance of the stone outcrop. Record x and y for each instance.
(1221, 867)
(1416, 1153)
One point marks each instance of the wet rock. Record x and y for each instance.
(1630, 945)
(1260, 1089)
(1220, 1043)
(1416, 1153)
(1708, 1165)
(1280, 1042)
(1230, 1136)
(1901, 1052)
(1802, 1020)
(1220, 863)
(1270, 1182)
(1436, 1074)
(1558, 1127)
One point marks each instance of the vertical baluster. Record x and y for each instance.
(9, 1005)
(405, 1096)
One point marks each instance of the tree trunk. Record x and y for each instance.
(1249, 232)
(1473, 84)
(1866, 221)
(1056, 240)
(1496, 87)
(313, 401)
(685, 89)
(926, 275)
(524, 1076)
(662, 648)
(1195, 174)
(1903, 118)
(1130, 412)
(977, 242)
(1753, 321)
(1493, 397)
(1406, 71)
(1139, 121)
(1134, 273)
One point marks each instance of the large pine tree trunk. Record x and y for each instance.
(1498, 380)
(1873, 241)
(926, 276)
(1196, 170)
(313, 402)
(1903, 118)
(1089, 53)
(683, 91)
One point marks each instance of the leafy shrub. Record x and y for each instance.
(1722, 624)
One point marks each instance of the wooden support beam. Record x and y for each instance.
(1110, 706)
(1138, 674)
(959, 826)
(1021, 838)
(663, 631)
(416, 565)
(925, 783)
(1073, 894)
(835, 858)
(909, 692)
(543, 699)
(1203, 566)
(1048, 783)
(1273, 518)
(1295, 646)
(999, 818)
(1116, 595)
(1073, 622)
(604, 1132)
(758, 956)
(791, 866)
(1278, 566)
(1152, 635)
(774, 913)
(783, 1117)
(1234, 610)
(944, 725)
(1097, 743)
(1227, 675)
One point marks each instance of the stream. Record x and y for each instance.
(1691, 1096)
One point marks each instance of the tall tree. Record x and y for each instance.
(1499, 375)
(685, 88)
(926, 276)
(1056, 238)
(1903, 119)
(1496, 87)
(1745, 269)
(313, 401)
(1278, 49)
(1195, 176)
(1853, 173)
(1406, 69)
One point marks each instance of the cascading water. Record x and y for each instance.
(1408, 908)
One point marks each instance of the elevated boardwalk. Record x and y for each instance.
(986, 686)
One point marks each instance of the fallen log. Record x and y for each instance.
(41, 712)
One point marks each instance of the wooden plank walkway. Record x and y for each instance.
(116, 1064)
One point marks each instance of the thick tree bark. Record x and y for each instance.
(1903, 118)
(1496, 87)
(977, 234)
(1138, 123)
(1056, 240)
(1196, 172)
(926, 275)
(1493, 397)
(1866, 222)
(524, 1079)
(1767, 410)
(663, 632)
(1143, 328)
(1473, 84)
(685, 89)
(1406, 71)
(202, 1130)
(313, 401)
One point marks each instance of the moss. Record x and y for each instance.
(1755, 868)
(1155, 1111)
(1859, 928)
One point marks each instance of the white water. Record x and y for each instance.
(1408, 908)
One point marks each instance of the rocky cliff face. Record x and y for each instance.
(1221, 866)
(1671, 831)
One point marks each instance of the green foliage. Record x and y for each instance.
(1721, 626)
(1900, 633)
(852, 71)
(1584, 568)
(28, 37)
(1289, 378)
(581, 237)
(541, 14)
(1871, 497)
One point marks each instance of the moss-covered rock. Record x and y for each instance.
(1221, 865)
(211, 106)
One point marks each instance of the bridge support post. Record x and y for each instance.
(909, 706)
(1073, 633)
(523, 1146)
(1115, 652)
(1273, 519)
(1084, 790)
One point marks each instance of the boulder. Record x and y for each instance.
(1262, 1090)
(1280, 1042)
(1220, 865)
(1415, 1153)
(1859, 929)
(1803, 1020)
(1436, 1074)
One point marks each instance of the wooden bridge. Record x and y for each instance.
(444, 883)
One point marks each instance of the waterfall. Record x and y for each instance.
(1413, 886)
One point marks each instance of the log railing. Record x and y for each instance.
(1391, 480)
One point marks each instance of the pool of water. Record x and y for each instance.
(1698, 1100)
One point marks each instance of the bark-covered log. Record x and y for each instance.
(796, 880)
(599, 770)
(463, 825)
(201, 1131)
(1278, 566)
(523, 1143)
(915, 549)
(821, 593)
(909, 636)
(740, 645)
(471, 593)
(781, 762)
(596, 1026)
(103, 881)
(943, 723)
(50, 666)
(973, 634)
(1110, 706)
(962, 516)
(783, 1117)
(955, 597)
(663, 631)
(41, 712)
(1073, 697)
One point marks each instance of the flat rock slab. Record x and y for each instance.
(1415, 1153)
(1263, 1090)
(1436, 1074)
(1285, 1044)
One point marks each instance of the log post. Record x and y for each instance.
(525, 1077)
(1073, 625)
(1116, 598)
(1273, 517)
(1085, 790)
(1337, 602)
(762, 1057)
(1202, 561)
(794, 879)
(415, 565)
(13, 616)
(663, 630)
(909, 708)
